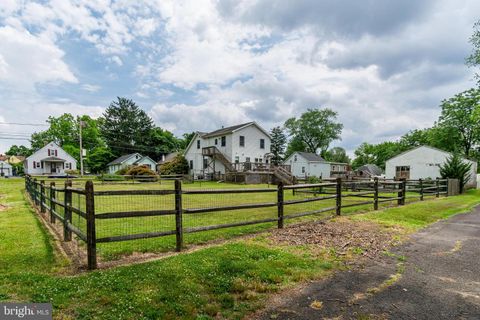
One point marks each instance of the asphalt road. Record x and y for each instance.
(435, 275)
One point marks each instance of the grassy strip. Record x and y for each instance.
(420, 214)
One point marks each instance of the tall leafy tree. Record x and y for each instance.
(125, 126)
(98, 158)
(337, 154)
(19, 151)
(278, 142)
(186, 138)
(474, 59)
(376, 153)
(456, 168)
(160, 141)
(295, 144)
(316, 129)
(461, 114)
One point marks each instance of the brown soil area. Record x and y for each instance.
(2, 207)
(340, 234)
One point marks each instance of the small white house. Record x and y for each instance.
(237, 147)
(49, 160)
(421, 163)
(5, 169)
(306, 164)
(133, 159)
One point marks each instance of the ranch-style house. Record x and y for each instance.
(49, 160)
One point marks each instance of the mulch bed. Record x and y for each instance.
(340, 234)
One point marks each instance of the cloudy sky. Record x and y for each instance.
(384, 66)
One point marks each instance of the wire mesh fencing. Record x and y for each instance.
(119, 221)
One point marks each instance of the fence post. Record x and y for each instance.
(91, 233)
(67, 234)
(404, 191)
(339, 197)
(437, 183)
(52, 203)
(399, 192)
(42, 196)
(420, 182)
(280, 204)
(375, 194)
(178, 214)
(35, 194)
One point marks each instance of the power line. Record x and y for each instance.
(25, 124)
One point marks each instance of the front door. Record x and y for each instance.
(53, 167)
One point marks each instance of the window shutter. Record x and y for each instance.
(34, 165)
(56, 153)
(49, 152)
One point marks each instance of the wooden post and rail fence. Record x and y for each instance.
(46, 199)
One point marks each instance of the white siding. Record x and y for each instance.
(5, 169)
(47, 167)
(424, 162)
(311, 168)
(231, 150)
(129, 162)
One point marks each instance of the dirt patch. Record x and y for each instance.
(2, 207)
(341, 234)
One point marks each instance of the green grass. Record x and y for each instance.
(226, 281)
(420, 214)
(127, 226)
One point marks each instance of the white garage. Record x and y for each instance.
(5, 169)
(421, 163)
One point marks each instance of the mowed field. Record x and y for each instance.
(148, 224)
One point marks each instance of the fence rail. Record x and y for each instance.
(58, 202)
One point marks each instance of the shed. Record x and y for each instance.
(5, 169)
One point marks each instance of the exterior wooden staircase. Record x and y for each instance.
(216, 154)
(283, 175)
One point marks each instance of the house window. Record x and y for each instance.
(402, 172)
(205, 163)
(237, 159)
(303, 169)
(198, 144)
(41, 164)
(262, 143)
(256, 160)
(247, 159)
(224, 141)
(294, 158)
(242, 141)
(216, 141)
(191, 164)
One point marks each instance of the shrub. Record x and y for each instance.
(179, 165)
(313, 179)
(140, 171)
(72, 172)
(111, 177)
(455, 168)
(123, 171)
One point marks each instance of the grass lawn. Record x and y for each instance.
(226, 281)
(136, 225)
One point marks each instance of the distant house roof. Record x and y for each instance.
(226, 130)
(311, 156)
(144, 157)
(3, 157)
(370, 169)
(124, 158)
(169, 157)
(427, 147)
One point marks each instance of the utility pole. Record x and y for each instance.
(80, 124)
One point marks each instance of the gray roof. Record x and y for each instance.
(122, 159)
(373, 169)
(169, 157)
(226, 130)
(311, 156)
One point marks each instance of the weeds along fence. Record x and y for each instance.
(108, 217)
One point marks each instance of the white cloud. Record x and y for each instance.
(91, 87)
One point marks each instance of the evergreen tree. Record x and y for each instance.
(455, 168)
(278, 142)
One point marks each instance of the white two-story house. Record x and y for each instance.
(237, 148)
(49, 160)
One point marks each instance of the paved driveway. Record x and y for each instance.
(436, 275)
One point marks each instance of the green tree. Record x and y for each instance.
(125, 126)
(461, 114)
(316, 129)
(456, 168)
(278, 142)
(376, 153)
(19, 151)
(337, 154)
(474, 59)
(98, 158)
(160, 141)
(179, 165)
(294, 145)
